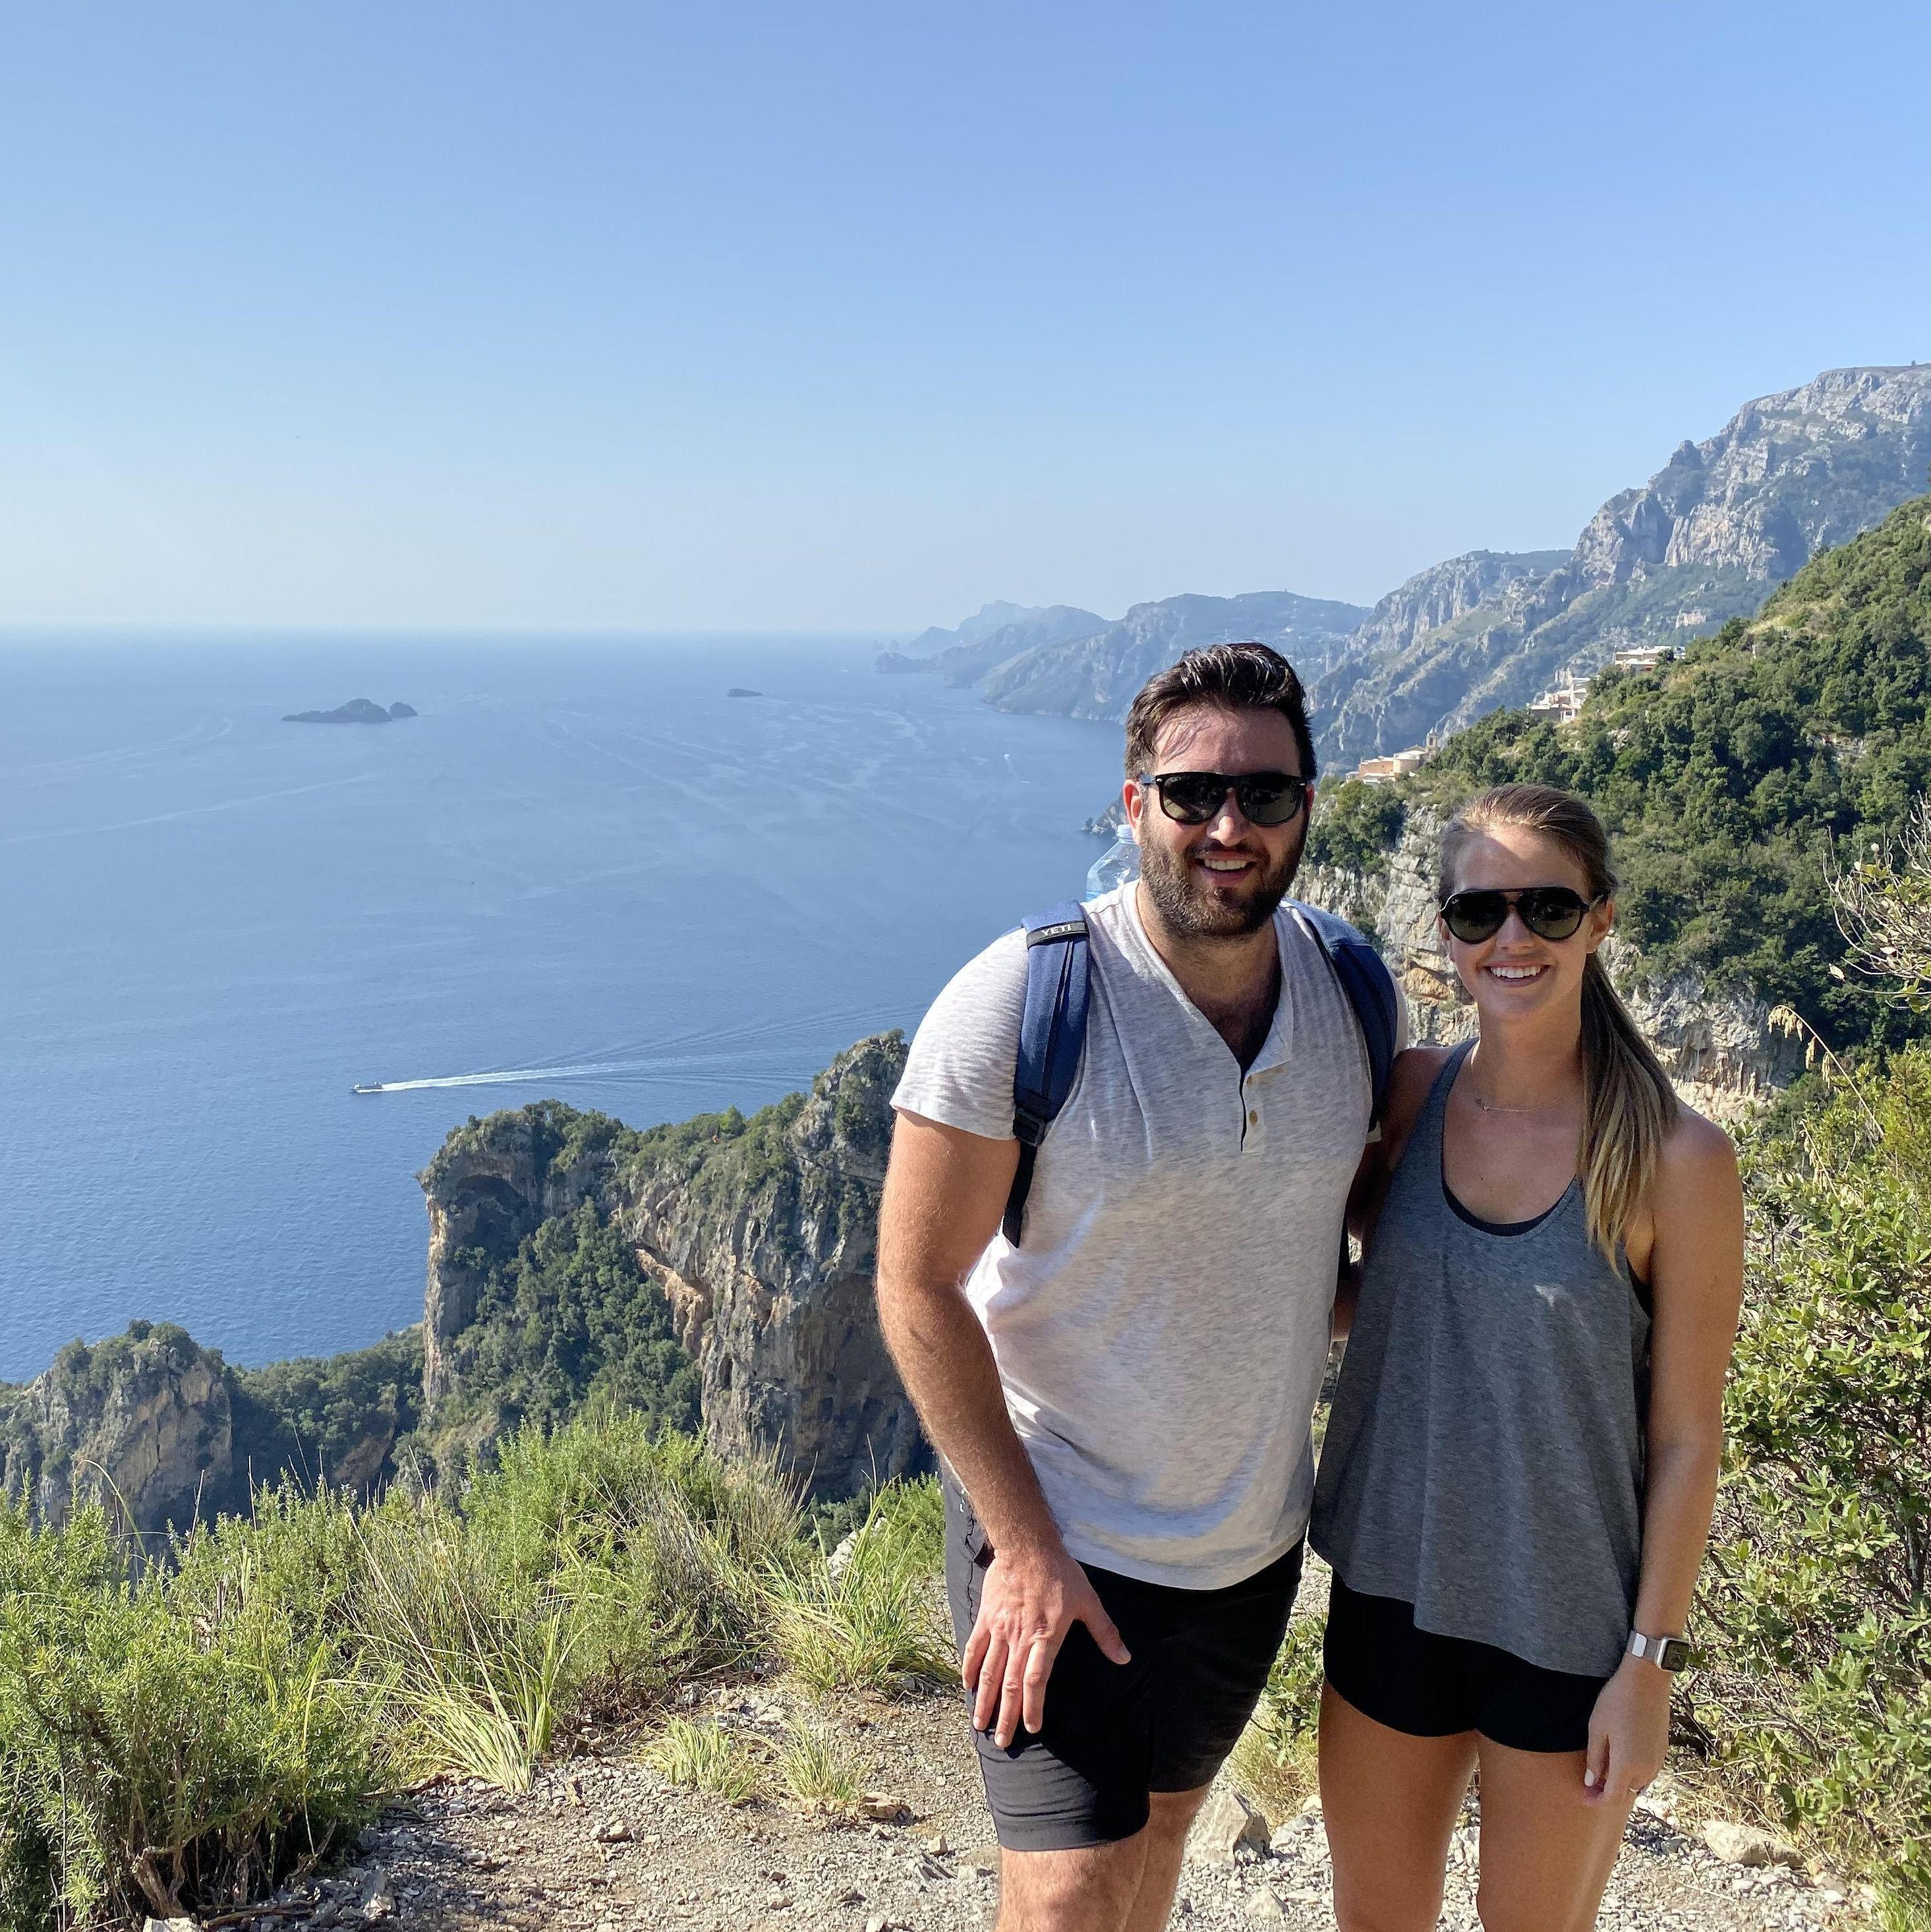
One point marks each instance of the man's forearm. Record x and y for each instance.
(946, 1363)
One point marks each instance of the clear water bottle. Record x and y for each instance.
(1117, 866)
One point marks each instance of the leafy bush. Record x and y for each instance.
(1274, 1760)
(184, 1735)
(152, 1760)
(1817, 1596)
(1355, 825)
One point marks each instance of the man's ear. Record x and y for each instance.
(1133, 795)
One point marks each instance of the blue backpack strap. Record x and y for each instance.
(1370, 987)
(1052, 1032)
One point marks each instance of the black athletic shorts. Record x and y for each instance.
(1115, 1732)
(1437, 1687)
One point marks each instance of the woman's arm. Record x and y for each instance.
(1409, 1080)
(1695, 1267)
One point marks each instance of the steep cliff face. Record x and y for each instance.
(1095, 677)
(143, 1423)
(1719, 1047)
(1789, 475)
(491, 1183)
(1442, 593)
(761, 1233)
(766, 1244)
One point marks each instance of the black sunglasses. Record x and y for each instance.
(1265, 798)
(1549, 912)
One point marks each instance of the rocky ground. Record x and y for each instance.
(606, 1844)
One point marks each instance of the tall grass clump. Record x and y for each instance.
(707, 1758)
(153, 1758)
(867, 1618)
(817, 1771)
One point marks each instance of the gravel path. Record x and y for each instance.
(608, 1844)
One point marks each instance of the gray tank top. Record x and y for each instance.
(1484, 1455)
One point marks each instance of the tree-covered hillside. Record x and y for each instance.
(1728, 778)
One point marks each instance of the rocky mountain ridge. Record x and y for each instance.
(1723, 521)
(1789, 475)
(1095, 676)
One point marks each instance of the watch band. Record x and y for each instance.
(1666, 1653)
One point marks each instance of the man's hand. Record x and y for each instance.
(1034, 1594)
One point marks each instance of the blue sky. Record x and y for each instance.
(785, 317)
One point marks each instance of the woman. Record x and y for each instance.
(1520, 1461)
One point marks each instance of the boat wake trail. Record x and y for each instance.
(789, 1050)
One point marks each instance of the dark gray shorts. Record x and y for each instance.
(1114, 1733)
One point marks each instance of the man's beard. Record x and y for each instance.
(1188, 906)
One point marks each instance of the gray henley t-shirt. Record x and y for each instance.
(1160, 1333)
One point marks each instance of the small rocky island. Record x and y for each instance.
(738, 690)
(357, 711)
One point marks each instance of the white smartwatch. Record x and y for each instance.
(1666, 1653)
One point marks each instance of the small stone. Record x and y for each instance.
(1744, 1845)
(883, 1809)
(1264, 1909)
(613, 1831)
(850, 1896)
(877, 1922)
(1228, 1829)
(377, 1902)
(939, 1845)
(169, 1925)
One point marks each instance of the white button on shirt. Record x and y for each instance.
(1161, 1331)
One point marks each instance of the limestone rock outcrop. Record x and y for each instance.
(143, 1423)
(492, 1183)
(767, 1246)
(762, 1234)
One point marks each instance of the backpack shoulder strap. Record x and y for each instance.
(1052, 1033)
(1370, 987)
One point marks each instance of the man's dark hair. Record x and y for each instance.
(1235, 677)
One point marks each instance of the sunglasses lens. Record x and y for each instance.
(1265, 798)
(1474, 917)
(1552, 912)
(1192, 797)
(1270, 798)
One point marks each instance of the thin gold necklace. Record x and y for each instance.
(1489, 1106)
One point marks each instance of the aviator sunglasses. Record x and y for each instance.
(1549, 912)
(1193, 798)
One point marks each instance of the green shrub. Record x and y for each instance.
(1274, 1759)
(1355, 825)
(153, 1758)
(1816, 1600)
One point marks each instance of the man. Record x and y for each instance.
(1124, 1397)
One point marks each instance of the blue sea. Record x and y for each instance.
(583, 872)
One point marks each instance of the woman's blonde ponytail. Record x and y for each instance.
(1629, 1105)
